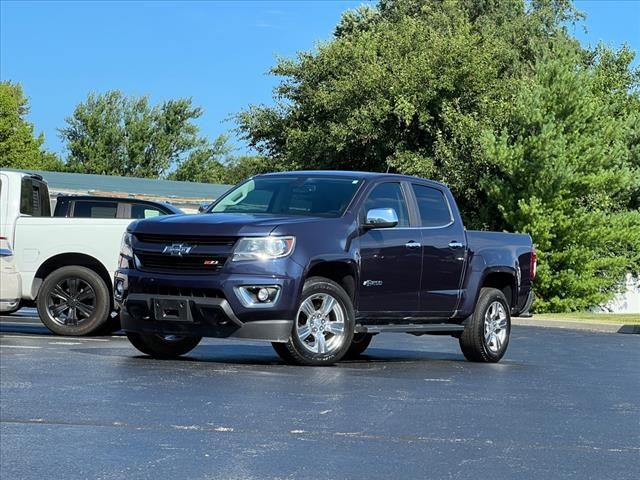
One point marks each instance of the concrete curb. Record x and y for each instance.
(575, 325)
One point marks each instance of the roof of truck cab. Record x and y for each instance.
(100, 198)
(348, 173)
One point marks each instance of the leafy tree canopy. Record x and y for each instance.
(118, 135)
(563, 171)
(19, 147)
(215, 164)
(114, 134)
(493, 97)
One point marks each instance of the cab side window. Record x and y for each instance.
(95, 209)
(139, 210)
(389, 195)
(34, 198)
(433, 207)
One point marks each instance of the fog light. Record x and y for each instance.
(263, 294)
(118, 290)
(258, 296)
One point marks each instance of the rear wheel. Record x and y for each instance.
(323, 326)
(74, 301)
(163, 346)
(486, 335)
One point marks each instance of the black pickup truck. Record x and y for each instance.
(318, 263)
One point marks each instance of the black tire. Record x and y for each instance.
(473, 341)
(299, 352)
(90, 314)
(163, 347)
(358, 345)
(283, 352)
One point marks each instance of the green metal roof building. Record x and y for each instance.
(61, 181)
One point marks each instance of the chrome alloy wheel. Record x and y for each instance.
(71, 302)
(495, 327)
(320, 324)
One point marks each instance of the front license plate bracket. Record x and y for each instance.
(172, 310)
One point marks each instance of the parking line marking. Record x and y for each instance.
(17, 346)
(22, 324)
(55, 337)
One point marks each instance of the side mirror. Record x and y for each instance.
(381, 218)
(203, 207)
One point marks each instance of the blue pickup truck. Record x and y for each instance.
(318, 263)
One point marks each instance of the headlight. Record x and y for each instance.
(263, 248)
(125, 245)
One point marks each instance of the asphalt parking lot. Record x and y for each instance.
(562, 404)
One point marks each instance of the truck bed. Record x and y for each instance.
(37, 239)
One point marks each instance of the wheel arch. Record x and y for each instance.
(502, 279)
(67, 260)
(343, 272)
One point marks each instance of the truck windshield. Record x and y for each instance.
(290, 195)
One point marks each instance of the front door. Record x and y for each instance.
(390, 258)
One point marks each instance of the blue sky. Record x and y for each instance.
(218, 53)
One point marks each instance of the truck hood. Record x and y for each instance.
(218, 224)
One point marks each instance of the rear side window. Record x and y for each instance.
(433, 207)
(144, 211)
(92, 209)
(389, 195)
(34, 198)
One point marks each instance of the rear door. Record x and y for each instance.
(443, 252)
(390, 257)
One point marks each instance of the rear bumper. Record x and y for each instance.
(524, 311)
(10, 289)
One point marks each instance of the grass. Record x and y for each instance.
(619, 318)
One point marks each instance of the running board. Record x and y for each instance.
(416, 329)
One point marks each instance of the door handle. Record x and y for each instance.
(412, 245)
(455, 244)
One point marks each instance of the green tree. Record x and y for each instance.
(239, 168)
(407, 87)
(470, 93)
(117, 135)
(215, 164)
(19, 147)
(563, 173)
(204, 164)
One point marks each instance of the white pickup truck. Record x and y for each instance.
(63, 265)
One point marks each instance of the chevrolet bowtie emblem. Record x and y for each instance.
(177, 249)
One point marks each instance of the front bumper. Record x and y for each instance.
(205, 305)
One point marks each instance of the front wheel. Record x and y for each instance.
(486, 335)
(163, 346)
(323, 327)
